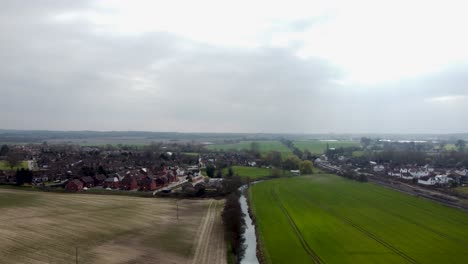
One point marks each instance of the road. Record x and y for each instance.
(210, 246)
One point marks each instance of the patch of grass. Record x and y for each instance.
(319, 147)
(450, 147)
(18, 200)
(254, 173)
(345, 221)
(265, 146)
(358, 153)
(190, 153)
(463, 190)
(5, 166)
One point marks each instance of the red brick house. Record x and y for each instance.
(99, 179)
(74, 186)
(171, 176)
(147, 184)
(111, 182)
(129, 183)
(161, 181)
(88, 181)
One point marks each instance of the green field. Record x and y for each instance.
(5, 166)
(265, 146)
(191, 153)
(328, 219)
(319, 147)
(253, 172)
(463, 190)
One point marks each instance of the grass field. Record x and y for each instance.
(254, 172)
(37, 227)
(265, 146)
(463, 190)
(328, 219)
(5, 166)
(191, 153)
(319, 147)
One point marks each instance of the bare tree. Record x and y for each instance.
(13, 158)
(460, 144)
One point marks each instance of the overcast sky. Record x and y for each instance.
(235, 66)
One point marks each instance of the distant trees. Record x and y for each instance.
(351, 174)
(101, 170)
(23, 176)
(87, 171)
(234, 225)
(306, 167)
(230, 172)
(255, 149)
(460, 144)
(291, 163)
(13, 158)
(365, 142)
(274, 158)
(4, 150)
(275, 173)
(219, 173)
(210, 171)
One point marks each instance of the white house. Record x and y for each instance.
(379, 168)
(427, 181)
(442, 179)
(252, 163)
(295, 172)
(394, 174)
(463, 172)
(407, 176)
(419, 173)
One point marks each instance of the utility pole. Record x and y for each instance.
(177, 204)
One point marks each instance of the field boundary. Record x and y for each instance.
(315, 258)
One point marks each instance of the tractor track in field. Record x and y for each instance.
(441, 234)
(315, 258)
(371, 236)
(210, 245)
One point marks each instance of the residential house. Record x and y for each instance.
(99, 179)
(74, 186)
(88, 181)
(147, 183)
(112, 182)
(427, 180)
(378, 168)
(442, 179)
(129, 182)
(161, 181)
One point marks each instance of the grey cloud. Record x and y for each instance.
(67, 76)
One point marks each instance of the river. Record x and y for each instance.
(250, 242)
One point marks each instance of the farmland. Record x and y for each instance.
(463, 190)
(328, 219)
(265, 146)
(5, 166)
(318, 147)
(254, 172)
(39, 227)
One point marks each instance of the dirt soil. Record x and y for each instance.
(211, 247)
(38, 227)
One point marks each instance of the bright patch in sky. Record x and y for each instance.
(447, 99)
(372, 41)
